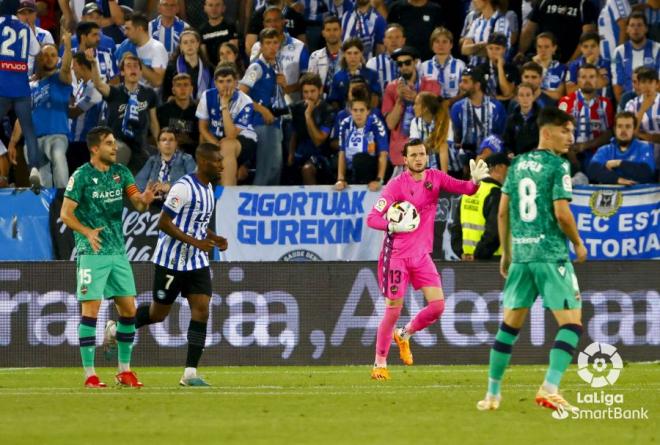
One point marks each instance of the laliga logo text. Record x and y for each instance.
(600, 365)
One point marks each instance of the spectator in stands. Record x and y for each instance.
(178, 114)
(625, 160)
(419, 18)
(92, 13)
(383, 64)
(476, 236)
(612, 26)
(491, 19)
(27, 13)
(166, 167)
(73, 11)
(228, 52)
(85, 111)
(443, 67)
(188, 59)
(89, 37)
(521, 132)
(432, 125)
(167, 27)
(594, 116)
(325, 61)
(313, 119)
(646, 107)
(590, 53)
(554, 72)
(225, 118)
(131, 111)
(399, 100)
(366, 24)
(630, 95)
(501, 77)
(352, 64)
(476, 115)
(315, 13)
(51, 91)
(532, 73)
(363, 147)
(355, 83)
(216, 30)
(566, 19)
(152, 53)
(293, 22)
(638, 51)
(266, 85)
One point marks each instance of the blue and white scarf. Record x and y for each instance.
(203, 75)
(476, 128)
(131, 113)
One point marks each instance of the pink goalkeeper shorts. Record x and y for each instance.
(394, 274)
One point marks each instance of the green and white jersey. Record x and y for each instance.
(534, 181)
(100, 204)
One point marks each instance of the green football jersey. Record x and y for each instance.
(100, 204)
(534, 181)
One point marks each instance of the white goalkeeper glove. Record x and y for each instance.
(478, 170)
(400, 227)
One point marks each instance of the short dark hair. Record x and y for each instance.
(128, 56)
(139, 20)
(271, 9)
(646, 73)
(553, 116)
(166, 130)
(205, 150)
(85, 28)
(587, 36)
(639, 15)
(225, 69)
(268, 33)
(96, 135)
(360, 95)
(353, 42)
(331, 19)
(532, 66)
(547, 35)
(81, 59)
(311, 79)
(588, 66)
(626, 115)
(412, 143)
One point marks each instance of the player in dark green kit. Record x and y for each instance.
(535, 221)
(92, 208)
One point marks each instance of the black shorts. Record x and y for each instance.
(168, 283)
(248, 152)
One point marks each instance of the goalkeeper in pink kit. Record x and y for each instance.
(406, 254)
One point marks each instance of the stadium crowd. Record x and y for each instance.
(327, 91)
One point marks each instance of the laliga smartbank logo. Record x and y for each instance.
(600, 365)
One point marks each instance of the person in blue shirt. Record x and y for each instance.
(363, 146)
(88, 35)
(625, 160)
(352, 64)
(18, 44)
(265, 85)
(51, 93)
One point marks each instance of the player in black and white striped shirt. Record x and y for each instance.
(182, 255)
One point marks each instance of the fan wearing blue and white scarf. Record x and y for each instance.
(190, 56)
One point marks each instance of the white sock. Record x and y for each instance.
(89, 372)
(123, 367)
(552, 389)
(189, 373)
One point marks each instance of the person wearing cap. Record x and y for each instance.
(27, 13)
(399, 100)
(501, 77)
(476, 237)
(74, 10)
(476, 116)
(92, 13)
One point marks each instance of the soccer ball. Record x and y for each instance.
(404, 213)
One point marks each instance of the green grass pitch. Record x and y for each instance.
(313, 405)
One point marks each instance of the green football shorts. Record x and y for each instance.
(104, 276)
(555, 282)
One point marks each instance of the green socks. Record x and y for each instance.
(500, 355)
(87, 341)
(562, 352)
(125, 337)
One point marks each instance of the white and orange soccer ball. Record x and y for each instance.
(404, 215)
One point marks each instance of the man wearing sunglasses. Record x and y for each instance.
(399, 98)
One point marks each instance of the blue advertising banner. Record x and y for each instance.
(24, 233)
(618, 223)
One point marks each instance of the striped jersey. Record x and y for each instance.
(18, 42)
(315, 10)
(368, 27)
(607, 25)
(448, 75)
(168, 36)
(190, 204)
(650, 122)
(592, 116)
(553, 76)
(89, 100)
(481, 28)
(385, 67)
(325, 64)
(627, 58)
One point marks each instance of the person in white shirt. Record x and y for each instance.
(325, 61)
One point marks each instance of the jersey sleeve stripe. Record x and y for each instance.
(132, 190)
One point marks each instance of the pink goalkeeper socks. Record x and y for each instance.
(384, 336)
(426, 316)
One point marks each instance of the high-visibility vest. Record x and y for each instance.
(473, 222)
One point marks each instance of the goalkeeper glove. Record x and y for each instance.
(478, 170)
(400, 227)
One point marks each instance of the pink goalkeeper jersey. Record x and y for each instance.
(423, 195)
